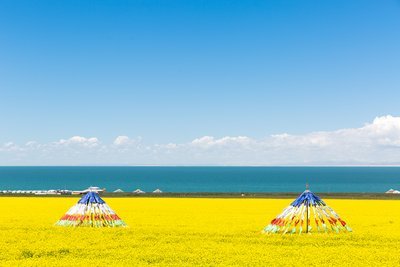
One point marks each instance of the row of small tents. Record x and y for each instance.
(138, 191)
(306, 214)
(392, 191)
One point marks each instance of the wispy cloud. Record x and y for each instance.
(377, 142)
(78, 141)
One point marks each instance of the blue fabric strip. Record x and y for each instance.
(91, 197)
(308, 197)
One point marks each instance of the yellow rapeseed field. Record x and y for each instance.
(186, 232)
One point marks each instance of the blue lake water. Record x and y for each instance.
(203, 179)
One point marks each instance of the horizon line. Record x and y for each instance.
(261, 166)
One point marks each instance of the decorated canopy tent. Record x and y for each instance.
(91, 211)
(308, 213)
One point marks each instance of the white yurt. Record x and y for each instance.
(138, 191)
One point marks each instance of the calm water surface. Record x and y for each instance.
(204, 179)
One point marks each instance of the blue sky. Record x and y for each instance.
(174, 71)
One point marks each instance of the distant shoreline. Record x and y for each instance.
(224, 195)
(206, 166)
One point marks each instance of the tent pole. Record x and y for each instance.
(307, 210)
(307, 217)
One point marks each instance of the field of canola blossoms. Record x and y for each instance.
(184, 232)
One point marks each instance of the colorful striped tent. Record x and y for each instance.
(308, 213)
(91, 211)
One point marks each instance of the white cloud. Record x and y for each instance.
(171, 146)
(79, 140)
(122, 140)
(9, 145)
(31, 144)
(203, 141)
(377, 142)
(318, 139)
(382, 131)
(210, 141)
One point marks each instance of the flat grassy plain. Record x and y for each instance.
(194, 231)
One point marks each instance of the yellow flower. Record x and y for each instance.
(194, 232)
